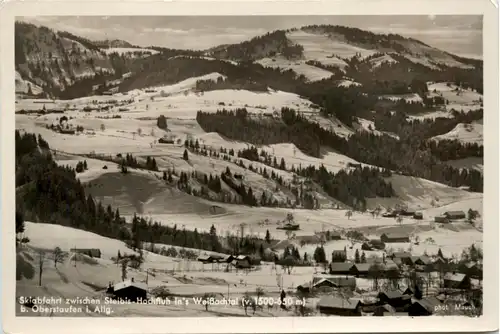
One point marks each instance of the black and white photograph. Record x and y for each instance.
(249, 166)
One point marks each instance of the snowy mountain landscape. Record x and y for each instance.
(272, 177)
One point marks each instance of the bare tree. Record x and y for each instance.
(124, 269)
(288, 263)
(139, 131)
(399, 219)
(348, 214)
(58, 256)
(41, 261)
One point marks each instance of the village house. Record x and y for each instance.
(130, 290)
(424, 307)
(454, 215)
(439, 263)
(456, 281)
(403, 257)
(389, 264)
(362, 269)
(472, 269)
(395, 298)
(92, 252)
(407, 212)
(343, 268)
(334, 282)
(394, 237)
(332, 305)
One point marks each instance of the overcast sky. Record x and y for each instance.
(461, 35)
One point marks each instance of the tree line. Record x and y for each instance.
(52, 194)
(406, 155)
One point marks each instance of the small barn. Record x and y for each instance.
(418, 215)
(255, 260)
(92, 252)
(332, 305)
(454, 215)
(226, 259)
(390, 214)
(362, 269)
(407, 212)
(335, 281)
(323, 283)
(342, 268)
(377, 244)
(335, 236)
(456, 281)
(242, 262)
(206, 259)
(441, 219)
(400, 255)
(130, 290)
(424, 307)
(394, 237)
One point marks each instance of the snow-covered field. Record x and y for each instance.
(170, 206)
(377, 62)
(466, 133)
(128, 51)
(321, 47)
(469, 163)
(49, 236)
(348, 83)
(407, 97)
(458, 98)
(311, 73)
(366, 125)
(24, 86)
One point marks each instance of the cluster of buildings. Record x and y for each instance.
(455, 279)
(238, 262)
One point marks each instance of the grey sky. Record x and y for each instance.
(457, 34)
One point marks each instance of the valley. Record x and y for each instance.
(166, 157)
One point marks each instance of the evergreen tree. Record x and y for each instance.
(19, 222)
(357, 259)
(268, 237)
(363, 257)
(185, 156)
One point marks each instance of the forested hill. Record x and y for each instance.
(66, 66)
